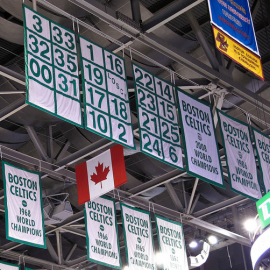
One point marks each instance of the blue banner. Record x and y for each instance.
(233, 17)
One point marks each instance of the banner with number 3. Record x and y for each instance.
(52, 77)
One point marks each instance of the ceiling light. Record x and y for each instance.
(159, 258)
(193, 244)
(212, 239)
(250, 225)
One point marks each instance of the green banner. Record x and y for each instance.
(138, 238)
(263, 208)
(199, 139)
(102, 232)
(159, 130)
(51, 67)
(23, 206)
(262, 143)
(240, 158)
(171, 244)
(8, 266)
(106, 100)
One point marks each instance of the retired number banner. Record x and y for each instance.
(138, 238)
(199, 139)
(159, 130)
(262, 143)
(106, 101)
(101, 233)
(171, 244)
(8, 266)
(242, 169)
(51, 68)
(23, 206)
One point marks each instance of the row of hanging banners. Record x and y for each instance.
(52, 81)
(103, 243)
(25, 224)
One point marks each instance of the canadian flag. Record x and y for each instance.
(101, 174)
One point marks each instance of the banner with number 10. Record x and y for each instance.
(106, 100)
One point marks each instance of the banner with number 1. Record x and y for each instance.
(106, 100)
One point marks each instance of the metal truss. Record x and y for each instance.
(60, 171)
(118, 22)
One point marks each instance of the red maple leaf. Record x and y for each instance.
(100, 174)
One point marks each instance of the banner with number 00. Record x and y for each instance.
(51, 67)
(106, 100)
(159, 130)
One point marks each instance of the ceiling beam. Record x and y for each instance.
(142, 203)
(192, 195)
(71, 252)
(70, 220)
(136, 11)
(149, 39)
(59, 247)
(180, 217)
(220, 206)
(47, 168)
(51, 250)
(12, 108)
(168, 13)
(176, 201)
(12, 75)
(17, 256)
(37, 143)
(201, 38)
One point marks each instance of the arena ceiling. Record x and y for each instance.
(166, 34)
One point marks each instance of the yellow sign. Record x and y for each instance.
(238, 53)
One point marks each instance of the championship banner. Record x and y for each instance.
(138, 238)
(23, 206)
(199, 139)
(240, 159)
(158, 125)
(234, 18)
(102, 233)
(51, 68)
(262, 143)
(106, 100)
(8, 266)
(172, 244)
(238, 53)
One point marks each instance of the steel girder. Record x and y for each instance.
(168, 13)
(219, 206)
(180, 217)
(76, 217)
(130, 197)
(112, 17)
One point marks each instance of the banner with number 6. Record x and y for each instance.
(159, 130)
